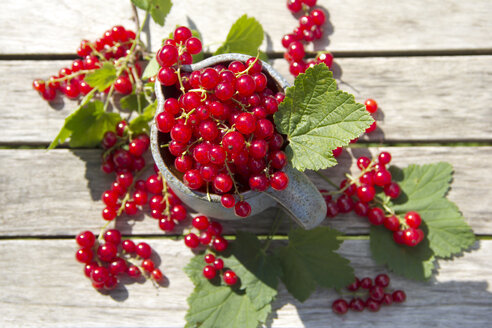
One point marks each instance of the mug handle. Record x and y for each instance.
(301, 199)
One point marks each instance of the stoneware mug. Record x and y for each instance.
(301, 199)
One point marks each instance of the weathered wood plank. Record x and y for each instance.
(52, 193)
(58, 26)
(422, 98)
(43, 285)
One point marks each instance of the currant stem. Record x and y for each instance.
(236, 190)
(71, 76)
(273, 231)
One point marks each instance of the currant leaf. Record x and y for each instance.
(245, 37)
(158, 9)
(102, 78)
(86, 126)
(317, 118)
(133, 103)
(309, 260)
(257, 270)
(213, 304)
(141, 123)
(151, 69)
(423, 189)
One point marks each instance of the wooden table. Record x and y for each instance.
(428, 64)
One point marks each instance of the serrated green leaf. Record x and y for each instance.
(213, 304)
(415, 263)
(86, 126)
(151, 69)
(258, 271)
(245, 37)
(142, 4)
(309, 260)
(102, 78)
(159, 9)
(424, 190)
(141, 123)
(130, 102)
(317, 118)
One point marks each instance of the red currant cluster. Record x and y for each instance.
(114, 257)
(113, 45)
(124, 155)
(359, 194)
(374, 293)
(215, 265)
(221, 128)
(309, 29)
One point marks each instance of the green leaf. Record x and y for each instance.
(214, 305)
(309, 260)
(424, 190)
(102, 78)
(414, 263)
(317, 118)
(158, 9)
(86, 126)
(130, 102)
(258, 271)
(142, 4)
(141, 123)
(151, 69)
(245, 37)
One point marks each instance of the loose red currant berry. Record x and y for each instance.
(376, 216)
(296, 51)
(201, 222)
(84, 255)
(117, 266)
(363, 162)
(143, 250)
(191, 240)
(157, 275)
(209, 258)
(148, 265)
(382, 280)
(230, 277)
(357, 304)
(371, 105)
(339, 306)
(361, 208)
(166, 224)
(399, 296)
(128, 246)
(376, 293)
(354, 286)
(109, 213)
(112, 236)
(134, 272)
(331, 209)
(209, 272)
(242, 209)
(223, 183)
(413, 219)
(366, 193)
(318, 17)
(372, 305)
(345, 204)
(387, 299)
(384, 158)
(366, 283)
(227, 200)
(131, 208)
(392, 190)
(220, 244)
(391, 223)
(123, 85)
(178, 212)
(219, 264)
(85, 239)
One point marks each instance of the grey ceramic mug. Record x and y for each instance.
(301, 199)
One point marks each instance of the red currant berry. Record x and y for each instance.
(224, 91)
(109, 213)
(384, 158)
(220, 244)
(366, 283)
(242, 209)
(131, 208)
(410, 237)
(209, 272)
(391, 223)
(99, 274)
(230, 277)
(413, 219)
(167, 56)
(294, 5)
(357, 304)
(318, 17)
(371, 105)
(376, 293)
(112, 236)
(258, 182)
(223, 183)
(392, 190)
(117, 266)
(201, 222)
(134, 272)
(143, 250)
(372, 305)
(227, 200)
(331, 209)
(181, 133)
(363, 162)
(387, 299)
(339, 306)
(219, 264)
(361, 208)
(154, 184)
(191, 240)
(382, 280)
(178, 212)
(84, 255)
(107, 252)
(233, 142)
(123, 85)
(382, 177)
(279, 180)
(245, 123)
(85, 239)
(376, 216)
(193, 45)
(166, 225)
(399, 296)
(366, 193)
(128, 246)
(398, 237)
(182, 34)
(296, 51)
(354, 286)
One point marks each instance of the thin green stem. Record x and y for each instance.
(273, 231)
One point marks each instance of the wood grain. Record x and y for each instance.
(421, 98)
(57, 193)
(353, 25)
(45, 286)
